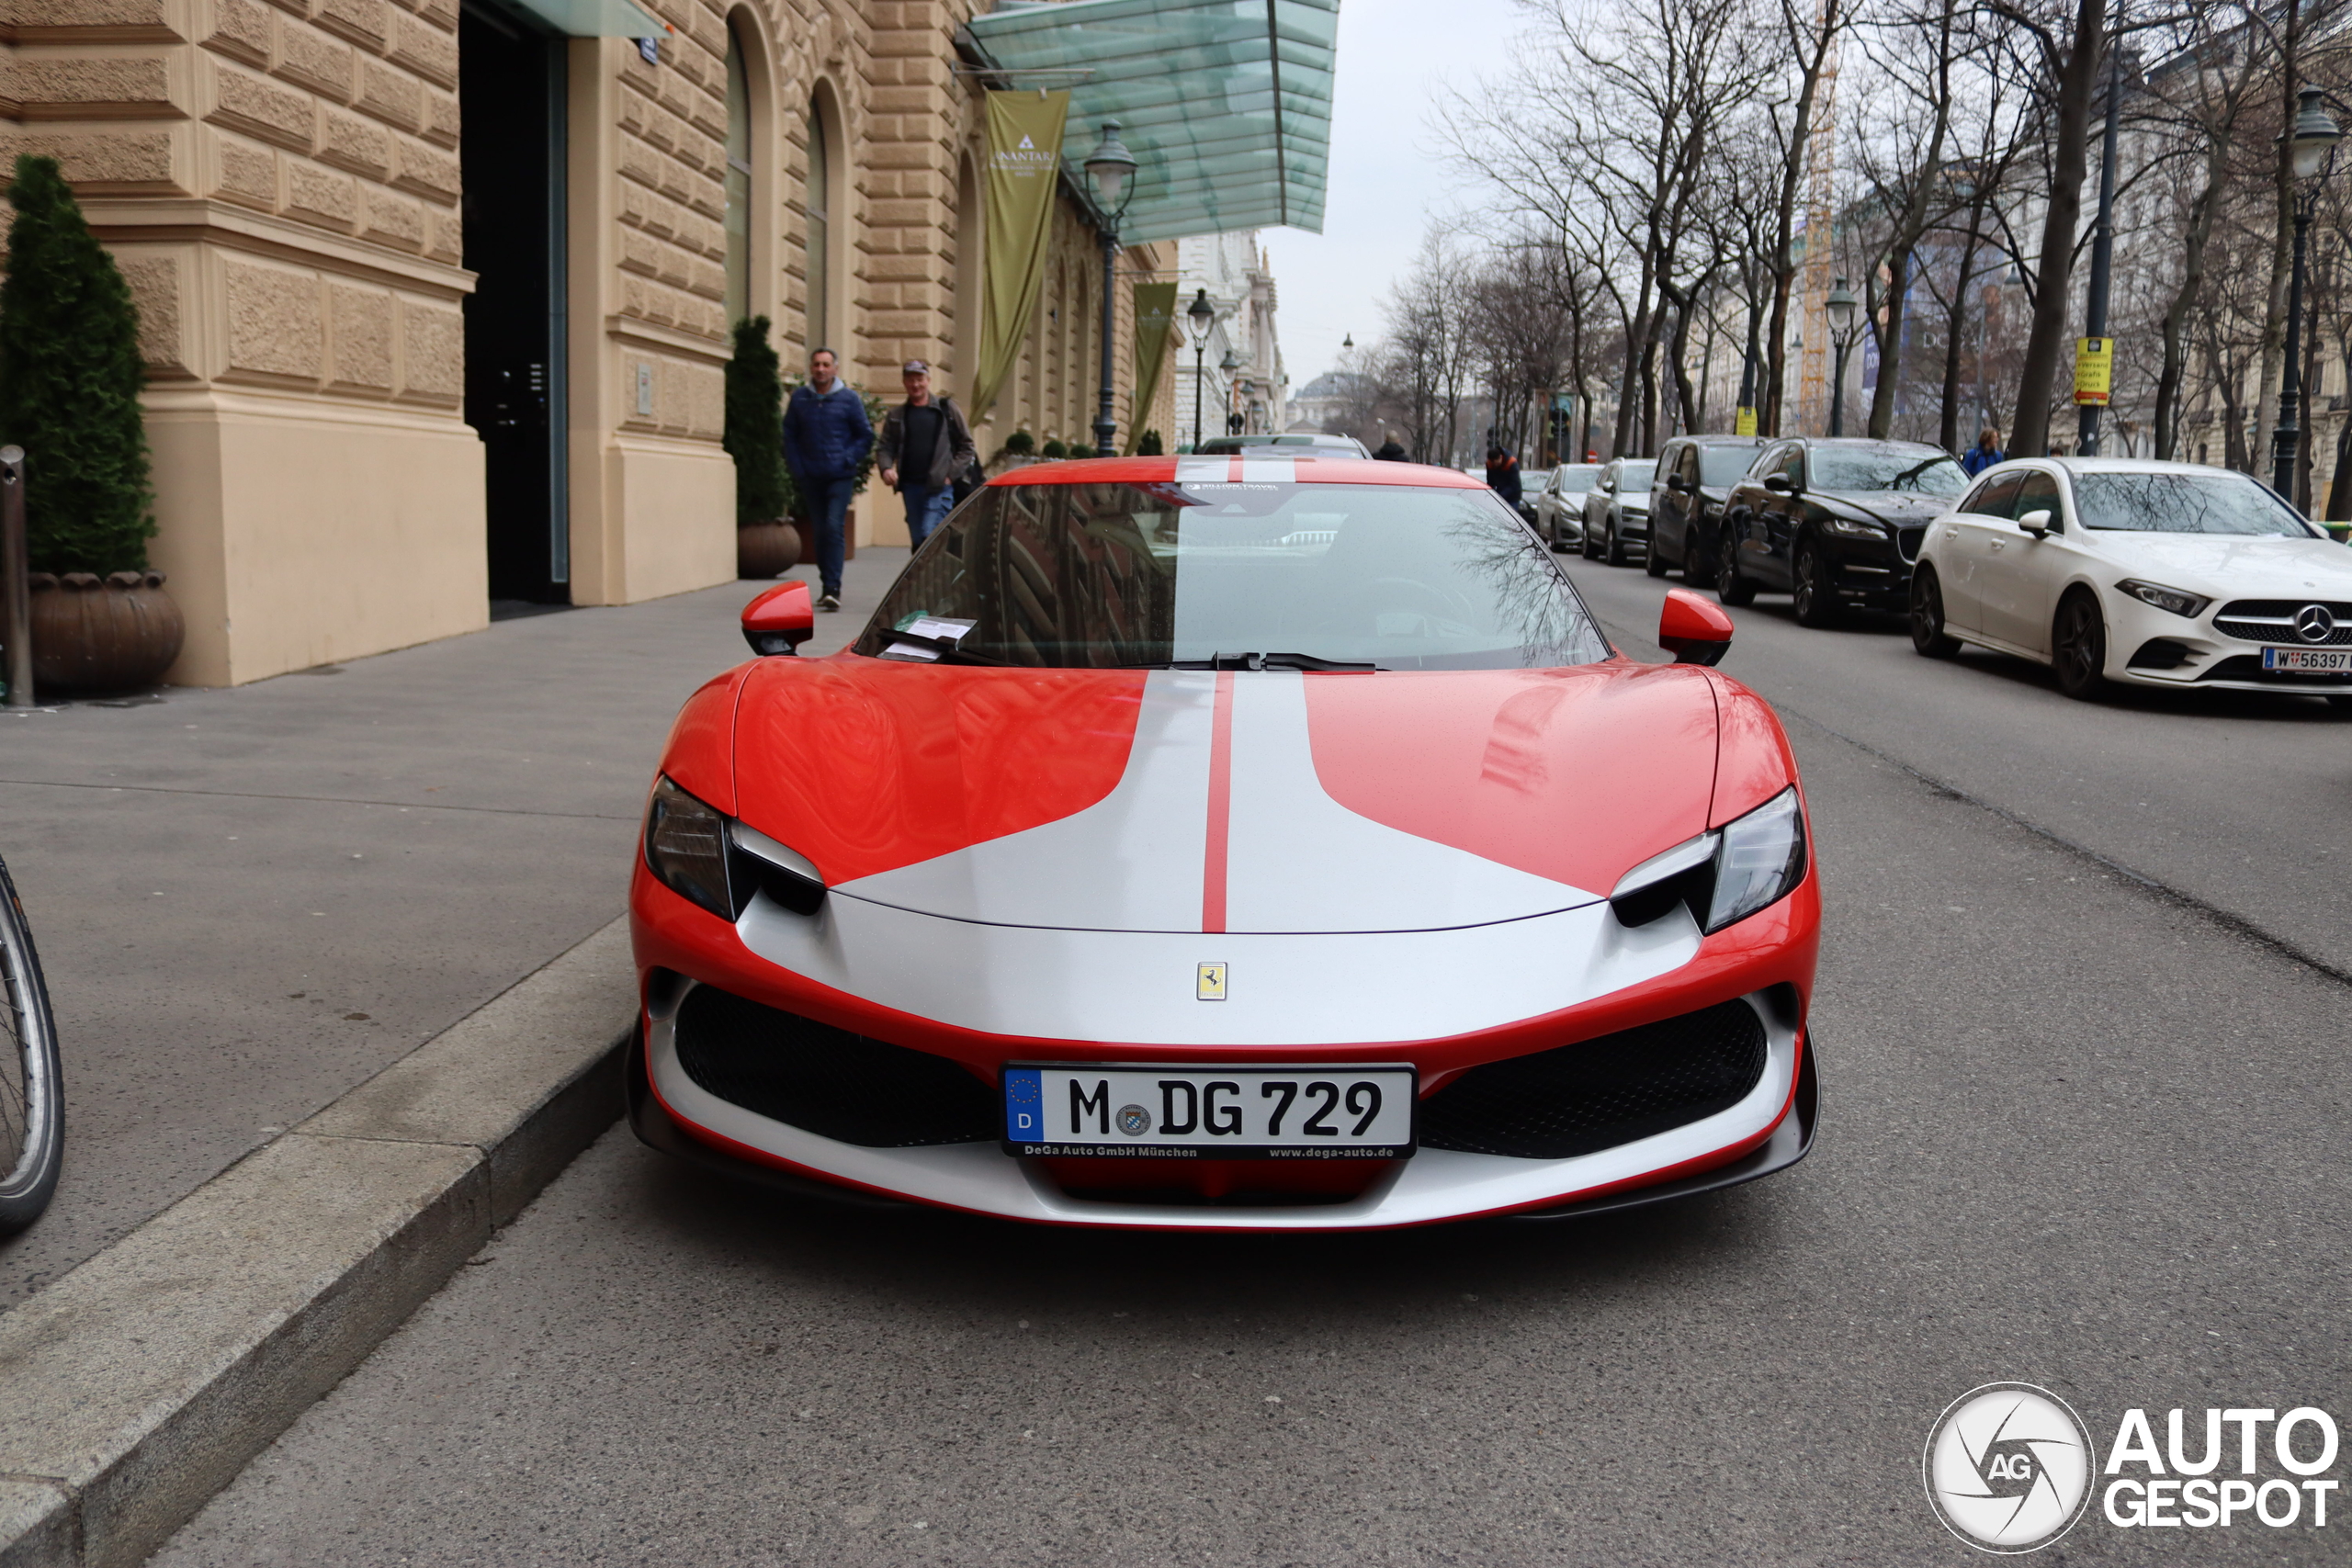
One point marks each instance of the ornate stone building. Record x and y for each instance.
(435, 293)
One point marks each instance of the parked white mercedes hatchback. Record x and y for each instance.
(2152, 574)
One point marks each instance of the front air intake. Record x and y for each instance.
(1598, 1093)
(827, 1080)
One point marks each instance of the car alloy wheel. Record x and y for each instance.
(1927, 634)
(2079, 643)
(1731, 587)
(1816, 602)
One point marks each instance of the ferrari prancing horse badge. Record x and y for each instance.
(1212, 982)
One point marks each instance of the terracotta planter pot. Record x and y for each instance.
(767, 550)
(98, 635)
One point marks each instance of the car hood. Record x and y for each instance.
(2232, 567)
(1197, 801)
(1896, 508)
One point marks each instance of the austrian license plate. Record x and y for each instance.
(1322, 1113)
(2336, 660)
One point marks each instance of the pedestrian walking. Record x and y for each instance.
(926, 446)
(1985, 452)
(826, 437)
(1502, 474)
(1390, 451)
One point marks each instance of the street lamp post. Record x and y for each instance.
(1229, 364)
(1199, 317)
(2311, 142)
(2086, 416)
(1111, 169)
(1840, 308)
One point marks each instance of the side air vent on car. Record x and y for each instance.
(827, 1080)
(1598, 1093)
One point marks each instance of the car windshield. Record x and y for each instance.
(2184, 504)
(1575, 482)
(1911, 469)
(1636, 476)
(1105, 576)
(1725, 465)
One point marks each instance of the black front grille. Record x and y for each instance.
(2159, 654)
(2273, 620)
(2248, 667)
(1908, 542)
(1598, 1093)
(827, 1080)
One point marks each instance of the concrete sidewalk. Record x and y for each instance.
(249, 901)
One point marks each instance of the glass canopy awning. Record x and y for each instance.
(1226, 104)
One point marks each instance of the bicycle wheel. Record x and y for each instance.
(32, 1105)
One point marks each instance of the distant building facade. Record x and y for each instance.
(1252, 397)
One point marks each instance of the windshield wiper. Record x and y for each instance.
(1266, 661)
(945, 648)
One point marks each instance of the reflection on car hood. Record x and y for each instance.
(1199, 801)
(1896, 507)
(2231, 566)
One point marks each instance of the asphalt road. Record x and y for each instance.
(249, 900)
(2076, 1132)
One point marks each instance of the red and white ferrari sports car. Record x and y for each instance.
(1230, 843)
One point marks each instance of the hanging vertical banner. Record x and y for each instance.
(1025, 158)
(1154, 318)
(2094, 370)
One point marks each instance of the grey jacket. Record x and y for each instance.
(948, 458)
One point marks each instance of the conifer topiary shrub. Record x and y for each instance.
(1020, 443)
(70, 379)
(754, 436)
(1053, 448)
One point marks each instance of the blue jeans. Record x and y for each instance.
(828, 501)
(926, 506)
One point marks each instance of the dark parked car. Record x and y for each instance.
(1695, 474)
(1832, 522)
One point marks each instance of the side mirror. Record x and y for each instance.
(1678, 484)
(780, 620)
(1691, 630)
(1780, 484)
(2036, 523)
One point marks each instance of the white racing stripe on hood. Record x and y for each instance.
(1296, 859)
(1301, 861)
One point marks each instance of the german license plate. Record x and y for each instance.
(2338, 661)
(1321, 1112)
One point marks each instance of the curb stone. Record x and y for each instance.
(142, 1382)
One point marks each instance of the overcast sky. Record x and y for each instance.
(1395, 58)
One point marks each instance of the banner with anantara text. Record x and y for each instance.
(1155, 318)
(1025, 155)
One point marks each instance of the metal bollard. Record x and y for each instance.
(16, 589)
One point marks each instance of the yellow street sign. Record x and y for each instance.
(1746, 423)
(2094, 370)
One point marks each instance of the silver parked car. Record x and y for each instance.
(1559, 505)
(1617, 512)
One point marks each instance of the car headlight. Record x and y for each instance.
(708, 858)
(2178, 601)
(1721, 876)
(1852, 528)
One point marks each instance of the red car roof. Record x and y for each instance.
(1262, 469)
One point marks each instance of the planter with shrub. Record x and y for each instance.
(70, 379)
(766, 542)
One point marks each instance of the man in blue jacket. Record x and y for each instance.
(826, 436)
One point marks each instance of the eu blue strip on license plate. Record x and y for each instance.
(1322, 1111)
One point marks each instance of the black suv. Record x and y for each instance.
(1832, 522)
(1695, 474)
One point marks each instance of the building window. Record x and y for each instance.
(738, 179)
(820, 326)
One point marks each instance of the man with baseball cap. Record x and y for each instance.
(925, 444)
